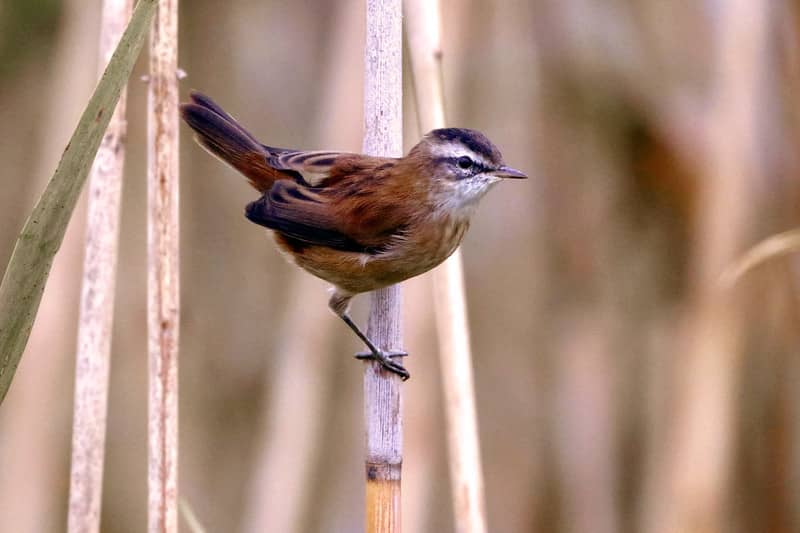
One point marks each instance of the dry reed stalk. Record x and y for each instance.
(163, 296)
(44, 416)
(40, 238)
(424, 477)
(192, 522)
(97, 299)
(34, 414)
(284, 475)
(772, 247)
(466, 474)
(700, 461)
(383, 135)
(583, 429)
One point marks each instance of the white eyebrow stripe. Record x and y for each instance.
(456, 150)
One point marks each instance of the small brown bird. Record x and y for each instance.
(359, 222)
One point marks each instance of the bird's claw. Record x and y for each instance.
(378, 356)
(385, 360)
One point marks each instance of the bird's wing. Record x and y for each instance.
(294, 211)
(315, 166)
(354, 208)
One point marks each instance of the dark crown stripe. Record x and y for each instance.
(472, 139)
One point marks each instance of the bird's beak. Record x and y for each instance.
(508, 172)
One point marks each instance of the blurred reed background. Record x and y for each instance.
(617, 388)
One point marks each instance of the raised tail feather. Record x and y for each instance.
(220, 134)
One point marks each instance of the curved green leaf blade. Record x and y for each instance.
(27, 271)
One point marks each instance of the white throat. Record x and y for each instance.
(461, 198)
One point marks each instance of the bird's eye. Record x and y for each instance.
(464, 162)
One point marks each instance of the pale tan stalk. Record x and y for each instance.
(424, 477)
(383, 135)
(32, 456)
(699, 465)
(284, 475)
(423, 27)
(770, 248)
(163, 302)
(97, 299)
(583, 432)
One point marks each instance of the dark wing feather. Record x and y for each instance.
(339, 200)
(360, 213)
(292, 210)
(315, 166)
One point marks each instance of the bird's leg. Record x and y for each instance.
(384, 358)
(339, 303)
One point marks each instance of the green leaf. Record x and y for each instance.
(27, 271)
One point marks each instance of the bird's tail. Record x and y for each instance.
(220, 134)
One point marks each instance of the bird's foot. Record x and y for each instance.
(385, 360)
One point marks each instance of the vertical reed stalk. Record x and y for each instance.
(284, 474)
(97, 299)
(383, 135)
(423, 27)
(163, 303)
(700, 463)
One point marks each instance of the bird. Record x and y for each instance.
(357, 221)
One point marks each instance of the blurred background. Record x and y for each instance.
(619, 388)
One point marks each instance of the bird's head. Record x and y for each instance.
(462, 165)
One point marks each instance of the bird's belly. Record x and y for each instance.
(362, 272)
